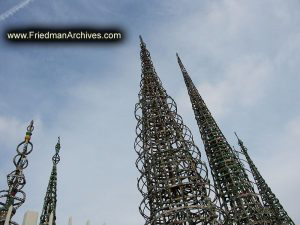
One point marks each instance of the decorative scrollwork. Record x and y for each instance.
(235, 190)
(51, 198)
(273, 208)
(16, 180)
(174, 180)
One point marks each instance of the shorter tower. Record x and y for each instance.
(14, 196)
(270, 201)
(50, 198)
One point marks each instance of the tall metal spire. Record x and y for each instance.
(14, 196)
(174, 181)
(234, 188)
(278, 214)
(50, 198)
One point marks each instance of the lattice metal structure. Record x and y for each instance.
(50, 198)
(270, 201)
(174, 181)
(234, 187)
(15, 196)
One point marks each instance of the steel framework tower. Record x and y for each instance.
(174, 181)
(14, 196)
(234, 188)
(278, 214)
(50, 198)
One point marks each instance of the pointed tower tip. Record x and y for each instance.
(31, 123)
(180, 63)
(178, 58)
(30, 127)
(141, 39)
(239, 140)
(57, 146)
(236, 135)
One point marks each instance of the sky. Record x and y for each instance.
(243, 56)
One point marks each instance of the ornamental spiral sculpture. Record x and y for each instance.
(174, 181)
(271, 202)
(235, 190)
(14, 196)
(51, 198)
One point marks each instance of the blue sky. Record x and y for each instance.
(242, 56)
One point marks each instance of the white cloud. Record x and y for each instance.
(242, 84)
